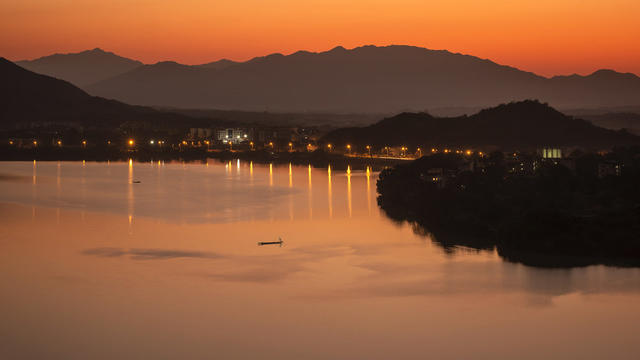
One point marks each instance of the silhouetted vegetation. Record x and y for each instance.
(554, 216)
(522, 125)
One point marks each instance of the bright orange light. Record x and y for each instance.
(468, 152)
(131, 142)
(59, 142)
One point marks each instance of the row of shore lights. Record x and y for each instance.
(404, 149)
(131, 142)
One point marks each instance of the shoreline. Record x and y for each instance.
(316, 159)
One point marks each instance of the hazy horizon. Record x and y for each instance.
(585, 73)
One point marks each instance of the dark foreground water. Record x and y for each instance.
(94, 265)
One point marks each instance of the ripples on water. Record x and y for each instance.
(96, 265)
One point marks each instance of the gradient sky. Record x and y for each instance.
(548, 37)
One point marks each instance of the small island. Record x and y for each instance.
(539, 209)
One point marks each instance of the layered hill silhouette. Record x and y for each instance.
(81, 69)
(521, 125)
(367, 79)
(30, 99)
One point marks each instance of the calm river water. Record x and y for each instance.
(94, 265)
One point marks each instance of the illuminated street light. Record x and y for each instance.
(419, 151)
(35, 143)
(308, 147)
(230, 145)
(84, 143)
(469, 152)
(290, 146)
(59, 142)
(151, 142)
(369, 149)
(329, 146)
(131, 142)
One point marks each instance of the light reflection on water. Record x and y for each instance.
(94, 265)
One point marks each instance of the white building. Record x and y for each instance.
(235, 135)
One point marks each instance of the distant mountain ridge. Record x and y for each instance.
(81, 69)
(27, 98)
(367, 79)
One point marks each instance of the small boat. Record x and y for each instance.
(279, 242)
(136, 181)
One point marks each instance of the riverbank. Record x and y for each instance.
(315, 158)
(554, 217)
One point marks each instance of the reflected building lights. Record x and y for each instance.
(369, 190)
(329, 192)
(310, 196)
(270, 174)
(290, 176)
(130, 201)
(349, 190)
(58, 191)
(33, 192)
(83, 188)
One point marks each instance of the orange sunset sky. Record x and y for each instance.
(548, 37)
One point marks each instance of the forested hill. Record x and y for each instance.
(519, 125)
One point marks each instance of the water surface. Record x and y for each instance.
(95, 265)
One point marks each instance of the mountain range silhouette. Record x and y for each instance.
(367, 79)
